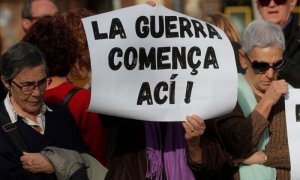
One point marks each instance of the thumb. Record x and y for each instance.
(25, 153)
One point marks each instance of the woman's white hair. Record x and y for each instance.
(261, 33)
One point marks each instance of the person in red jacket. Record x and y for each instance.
(54, 39)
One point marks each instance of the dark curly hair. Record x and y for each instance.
(53, 38)
(73, 20)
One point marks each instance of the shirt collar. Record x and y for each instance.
(13, 114)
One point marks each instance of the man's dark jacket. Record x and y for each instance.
(291, 71)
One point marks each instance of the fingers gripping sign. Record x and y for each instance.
(194, 127)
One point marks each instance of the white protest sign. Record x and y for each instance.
(152, 63)
(292, 113)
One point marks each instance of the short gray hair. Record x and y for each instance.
(261, 33)
(18, 57)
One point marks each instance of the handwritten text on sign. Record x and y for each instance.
(158, 65)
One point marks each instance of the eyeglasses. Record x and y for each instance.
(38, 17)
(260, 66)
(30, 86)
(267, 2)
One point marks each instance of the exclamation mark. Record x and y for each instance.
(188, 93)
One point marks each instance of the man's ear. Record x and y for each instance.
(243, 59)
(5, 83)
(26, 24)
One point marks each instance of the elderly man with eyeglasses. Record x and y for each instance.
(280, 12)
(35, 9)
(255, 132)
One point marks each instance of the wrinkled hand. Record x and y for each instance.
(194, 127)
(256, 158)
(275, 91)
(35, 162)
(271, 97)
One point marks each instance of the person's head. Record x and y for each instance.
(82, 67)
(261, 54)
(54, 39)
(224, 23)
(196, 9)
(276, 11)
(24, 74)
(34, 9)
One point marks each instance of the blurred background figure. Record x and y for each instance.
(34, 9)
(280, 12)
(55, 40)
(222, 21)
(194, 8)
(80, 73)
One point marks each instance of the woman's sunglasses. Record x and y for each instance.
(261, 67)
(267, 2)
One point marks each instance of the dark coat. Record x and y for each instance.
(236, 47)
(216, 161)
(291, 71)
(61, 131)
(126, 151)
(3, 91)
(242, 134)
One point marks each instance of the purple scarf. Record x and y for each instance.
(174, 156)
